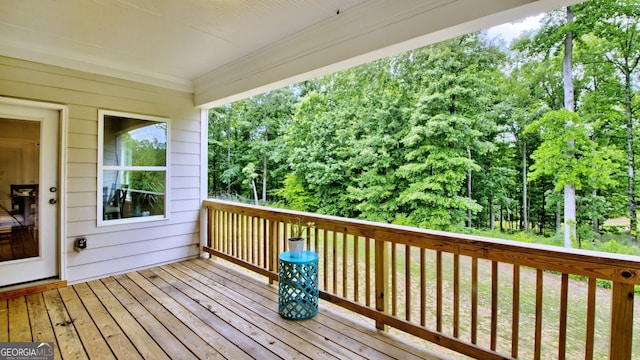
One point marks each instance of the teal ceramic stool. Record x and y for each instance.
(298, 286)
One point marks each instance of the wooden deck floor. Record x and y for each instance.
(197, 309)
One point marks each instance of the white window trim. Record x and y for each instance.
(102, 167)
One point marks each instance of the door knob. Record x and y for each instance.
(52, 201)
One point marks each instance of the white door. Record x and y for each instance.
(29, 191)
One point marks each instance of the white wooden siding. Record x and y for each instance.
(120, 248)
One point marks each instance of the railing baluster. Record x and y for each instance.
(210, 218)
(286, 231)
(423, 287)
(439, 291)
(246, 238)
(334, 260)
(456, 295)
(224, 228)
(307, 239)
(282, 240)
(224, 231)
(234, 232)
(316, 239)
(474, 300)
(222, 241)
(562, 331)
(494, 304)
(254, 240)
(310, 238)
(407, 282)
(325, 246)
(515, 311)
(367, 274)
(591, 317)
(229, 233)
(238, 236)
(242, 237)
(345, 273)
(273, 244)
(394, 281)
(217, 243)
(356, 270)
(265, 243)
(537, 342)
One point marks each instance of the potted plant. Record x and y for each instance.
(296, 241)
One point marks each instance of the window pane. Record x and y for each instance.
(134, 142)
(133, 175)
(128, 194)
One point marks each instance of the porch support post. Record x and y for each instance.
(621, 321)
(382, 279)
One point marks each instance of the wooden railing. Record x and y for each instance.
(485, 298)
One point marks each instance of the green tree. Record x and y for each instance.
(557, 35)
(450, 126)
(580, 162)
(243, 144)
(616, 24)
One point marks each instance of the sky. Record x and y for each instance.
(512, 30)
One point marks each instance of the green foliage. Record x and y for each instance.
(249, 132)
(451, 125)
(568, 154)
(295, 195)
(450, 136)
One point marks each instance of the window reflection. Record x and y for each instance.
(134, 159)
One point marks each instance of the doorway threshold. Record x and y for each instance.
(33, 287)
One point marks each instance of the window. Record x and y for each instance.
(132, 168)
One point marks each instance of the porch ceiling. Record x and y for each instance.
(222, 50)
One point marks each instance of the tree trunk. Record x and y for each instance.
(558, 217)
(491, 221)
(501, 219)
(596, 222)
(255, 191)
(469, 190)
(569, 104)
(544, 199)
(264, 164)
(264, 178)
(524, 187)
(633, 236)
(569, 214)
(229, 152)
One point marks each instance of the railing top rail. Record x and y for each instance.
(615, 267)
